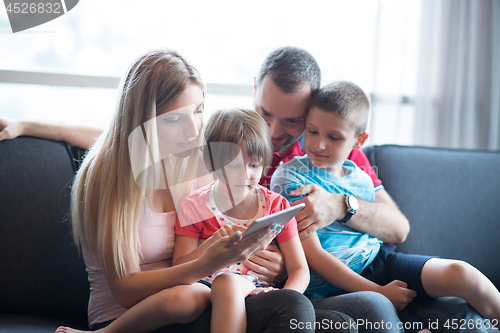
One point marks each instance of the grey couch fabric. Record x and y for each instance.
(43, 280)
(451, 198)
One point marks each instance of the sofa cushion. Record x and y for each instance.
(451, 198)
(17, 323)
(40, 269)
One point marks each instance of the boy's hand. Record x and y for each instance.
(398, 293)
(225, 231)
(322, 208)
(268, 265)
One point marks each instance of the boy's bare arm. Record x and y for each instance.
(381, 219)
(332, 269)
(78, 136)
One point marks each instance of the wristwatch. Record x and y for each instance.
(352, 207)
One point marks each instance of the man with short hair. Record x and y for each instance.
(287, 80)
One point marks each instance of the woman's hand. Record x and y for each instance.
(10, 128)
(231, 249)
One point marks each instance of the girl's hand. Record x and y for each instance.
(261, 290)
(398, 293)
(231, 249)
(226, 231)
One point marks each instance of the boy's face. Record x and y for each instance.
(329, 140)
(243, 174)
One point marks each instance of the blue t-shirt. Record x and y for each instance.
(355, 249)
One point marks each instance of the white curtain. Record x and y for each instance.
(394, 71)
(457, 100)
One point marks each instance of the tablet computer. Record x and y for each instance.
(282, 217)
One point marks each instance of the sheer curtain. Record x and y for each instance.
(457, 100)
(395, 71)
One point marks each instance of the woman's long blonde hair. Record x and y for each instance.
(107, 200)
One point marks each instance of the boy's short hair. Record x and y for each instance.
(347, 100)
(290, 68)
(224, 131)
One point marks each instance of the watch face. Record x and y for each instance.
(353, 202)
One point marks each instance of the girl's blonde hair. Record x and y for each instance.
(107, 200)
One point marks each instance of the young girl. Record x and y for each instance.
(124, 209)
(239, 149)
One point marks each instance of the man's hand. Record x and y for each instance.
(381, 219)
(10, 128)
(322, 208)
(268, 265)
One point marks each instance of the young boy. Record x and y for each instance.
(341, 258)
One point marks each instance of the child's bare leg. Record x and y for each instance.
(228, 303)
(445, 277)
(180, 304)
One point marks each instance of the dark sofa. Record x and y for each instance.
(451, 198)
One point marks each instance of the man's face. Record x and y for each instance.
(285, 114)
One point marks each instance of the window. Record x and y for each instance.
(225, 40)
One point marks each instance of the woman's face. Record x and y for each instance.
(179, 124)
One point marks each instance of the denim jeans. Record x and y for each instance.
(450, 315)
(370, 311)
(373, 312)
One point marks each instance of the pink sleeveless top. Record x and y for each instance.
(156, 234)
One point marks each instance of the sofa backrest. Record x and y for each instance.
(40, 269)
(451, 198)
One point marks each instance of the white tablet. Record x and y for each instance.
(282, 217)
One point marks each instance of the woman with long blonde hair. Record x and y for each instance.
(124, 209)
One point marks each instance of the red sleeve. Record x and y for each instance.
(358, 157)
(187, 227)
(290, 229)
(189, 222)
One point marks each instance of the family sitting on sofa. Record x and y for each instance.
(147, 170)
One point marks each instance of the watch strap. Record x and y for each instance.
(350, 211)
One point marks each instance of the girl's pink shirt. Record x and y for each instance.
(197, 219)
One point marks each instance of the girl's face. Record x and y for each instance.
(243, 174)
(179, 124)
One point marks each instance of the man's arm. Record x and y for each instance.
(77, 136)
(381, 219)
